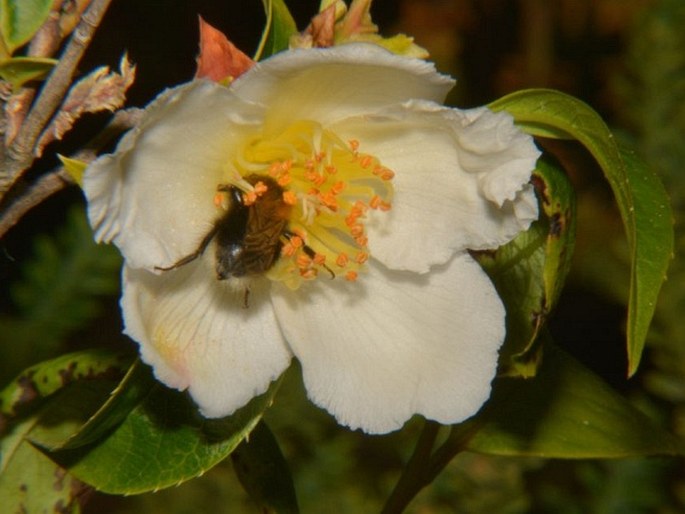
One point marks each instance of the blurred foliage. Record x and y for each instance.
(59, 292)
(654, 93)
(572, 45)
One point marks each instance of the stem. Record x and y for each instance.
(423, 467)
(45, 43)
(40, 190)
(456, 443)
(413, 477)
(56, 180)
(20, 154)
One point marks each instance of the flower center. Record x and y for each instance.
(331, 186)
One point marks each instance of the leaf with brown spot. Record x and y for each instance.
(530, 271)
(640, 196)
(31, 482)
(46, 378)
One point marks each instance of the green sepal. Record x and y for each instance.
(565, 411)
(264, 473)
(74, 167)
(641, 198)
(280, 26)
(20, 70)
(162, 442)
(530, 271)
(20, 19)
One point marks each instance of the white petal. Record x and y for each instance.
(197, 334)
(331, 83)
(503, 154)
(153, 197)
(461, 181)
(393, 344)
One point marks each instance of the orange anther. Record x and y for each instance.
(329, 200)
(362, 240)
(357, 230)
(288, 250)
(296, 241)
(354, 144)
(275, 168)
(330, 169)
(308, 273)
(303, 260)
(360, 206)
(351, 276)
(319, 259)
(387, 174)
(249, 198)
(316, 178)
(289, 197)
(342, 260)
(366, 161)
(351, 219)
(285, 179)
(221, 201)
(375, 202)
(338, 187)
(260, 188)
(361, 257)
(385, 206)
(286, 165)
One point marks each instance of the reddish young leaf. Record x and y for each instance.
(322, 28)
(219, 59)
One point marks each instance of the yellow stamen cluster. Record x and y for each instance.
(332, 187)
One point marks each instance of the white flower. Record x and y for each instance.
(384, 189)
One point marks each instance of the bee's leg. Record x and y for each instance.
(190, 258)
(309, 251)
(246, 298)
(311, 254)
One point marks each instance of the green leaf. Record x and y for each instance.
(20, 70)
(280, 26)
(530, 271)
(641, 198)
(162, 442)
(566, 411)
(44, 379)
(20, 19)
(264, 473)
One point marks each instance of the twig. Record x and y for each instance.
(459, 437)
(57, 179)
(423, 467)
(45, 43)
(413, 476)
(40, 190)
(20, 153)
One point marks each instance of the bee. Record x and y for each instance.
(248, 238)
